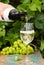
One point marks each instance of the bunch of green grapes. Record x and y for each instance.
(18, 48)
(21, 47)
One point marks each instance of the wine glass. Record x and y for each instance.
(27, 34)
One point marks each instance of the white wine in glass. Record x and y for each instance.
(27, 36)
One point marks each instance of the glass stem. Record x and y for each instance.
(27, 57)
(27, 52)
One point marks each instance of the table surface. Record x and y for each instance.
(2, 57)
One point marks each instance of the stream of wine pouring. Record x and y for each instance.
(26, 19)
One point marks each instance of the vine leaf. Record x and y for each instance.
(35, 5)
(5, 1)
(42, 45)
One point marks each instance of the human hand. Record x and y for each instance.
(3, 7)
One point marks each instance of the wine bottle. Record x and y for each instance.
(11, 14)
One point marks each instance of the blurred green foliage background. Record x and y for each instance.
(9, 32)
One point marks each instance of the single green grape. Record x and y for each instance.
(16, 58)
(15, 43)
(20, 51)
(21, 45)
(15, 46)
(19, 41)
(11, 50)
